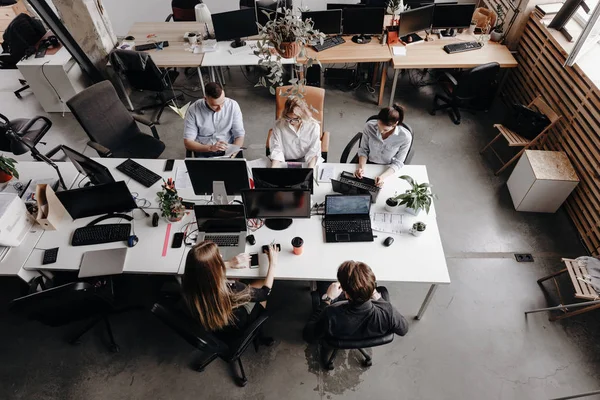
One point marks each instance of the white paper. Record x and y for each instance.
(386, 222)
(399, 50)
(326, 172)
(182, 179)
(231, 149)
(262, 162)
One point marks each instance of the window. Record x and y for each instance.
(577, 20)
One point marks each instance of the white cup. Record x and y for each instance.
(193, 39)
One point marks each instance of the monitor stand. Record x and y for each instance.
(278, 224)
(361, 39)
(412, 38)
(219, 195)
(451, 32)
(238, 43)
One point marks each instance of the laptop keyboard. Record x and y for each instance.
(224, 240)
(360, 185)
(350, 226)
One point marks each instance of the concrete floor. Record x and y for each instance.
(473, 343)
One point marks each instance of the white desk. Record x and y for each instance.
(408, 259)
(14, 260)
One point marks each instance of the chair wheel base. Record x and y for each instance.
(456, 122)
(367, 363)
(432, 112)
(241, 382)
(329, 367)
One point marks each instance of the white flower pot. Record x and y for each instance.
(496, 36)
(415, 232)
(412, 211)
(390, 209)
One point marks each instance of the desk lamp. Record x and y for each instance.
(204, 16)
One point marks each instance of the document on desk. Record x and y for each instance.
(182, 179)
(399, 50)
(231, 150)
(386, 222)
(326, 172)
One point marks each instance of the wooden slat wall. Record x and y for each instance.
(571, 94)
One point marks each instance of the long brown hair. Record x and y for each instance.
(294, 102)
(205, 287)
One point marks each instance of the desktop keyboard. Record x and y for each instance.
(329, 43)
(97, 234)
(348, 226)
(138, 173)
(463, 46)
(223, 241)
(150, 46)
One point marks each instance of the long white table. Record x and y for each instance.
(408, 259)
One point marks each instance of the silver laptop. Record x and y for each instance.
(225, 225)
(102, 262)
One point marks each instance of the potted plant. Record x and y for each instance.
(498, 30)
(169, 202)
(418, 228)
(417, 198)
(7, 169)
(284, 36)
(395, 7)
(391, 204)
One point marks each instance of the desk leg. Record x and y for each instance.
(212, 74)
(427, 300)
(322, 77)
(384, 66)
(393, 94)
(201, 81)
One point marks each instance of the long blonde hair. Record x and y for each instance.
(205, 288)
(291, 104)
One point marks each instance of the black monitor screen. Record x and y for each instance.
(341, 6)
(283, 178)
(348, 204)
(328, 22)
(97, 200)
(416, 20)
(452, 16)
(276, 203)
(220, 218)
(235, 24)
(366, 21)
(204, 172)
(96, 172)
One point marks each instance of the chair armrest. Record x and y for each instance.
(249, 334)
(349, 146)
(359, 343)
(169, 18)
(148, 123)
(4, 119)
(325, 142)
(52, 152)
(102, 151)
(32, 121)
(451, 78)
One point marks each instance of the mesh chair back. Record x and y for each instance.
(139, 70)
(476, 82)
(102, 115)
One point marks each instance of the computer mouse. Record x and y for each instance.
(132, 241)
(251, 240)
(388, 241)
(410, 39)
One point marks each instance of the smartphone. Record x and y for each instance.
(177, 240)
(253, 260)
(169, 165)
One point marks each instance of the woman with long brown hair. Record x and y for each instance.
(296, 135)
(221, 305)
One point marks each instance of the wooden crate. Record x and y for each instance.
(573, 95)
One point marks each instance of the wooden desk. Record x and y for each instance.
(351, 52)
(432, 55)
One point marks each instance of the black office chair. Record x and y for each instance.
(68, 303)
(140, 71)
(33, 130)
(355, 141)
(209, 344)
(112, 130)
(349, 344)
(466, 92)
(183, 10)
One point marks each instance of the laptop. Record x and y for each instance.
(102, 262)
(225, 225)
(347, 218)
(349, 184)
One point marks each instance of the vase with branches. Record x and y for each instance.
(395, 7)
(169, 202)
(498, 30)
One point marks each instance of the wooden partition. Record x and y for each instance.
(571, 94)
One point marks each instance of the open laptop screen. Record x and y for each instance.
(220, 218)
(344, 205)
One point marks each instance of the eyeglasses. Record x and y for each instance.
(292, 120)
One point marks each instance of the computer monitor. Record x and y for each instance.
(363, 21)
(283, 178)
(452, 16)
(93, 170)
(234, 25)
(413, 21)
(327, 22)
(97, 200)
(342, 6)
(219, 177)
(220, 218)
(277, 206)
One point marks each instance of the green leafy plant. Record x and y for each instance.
(169, 201)
(419, 196)
(419, 226)
(281, 32)
(8, 166)
(501, 13)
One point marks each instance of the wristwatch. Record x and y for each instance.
(325, 297)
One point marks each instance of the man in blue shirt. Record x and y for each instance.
(213, 123)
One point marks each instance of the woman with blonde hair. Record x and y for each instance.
(296, 135)
(220, 305)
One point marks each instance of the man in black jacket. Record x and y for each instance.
(353, 309)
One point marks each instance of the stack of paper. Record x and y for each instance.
(399, 50)
(386, 222)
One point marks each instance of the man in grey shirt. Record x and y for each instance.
(213, 123)
(385, 142)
